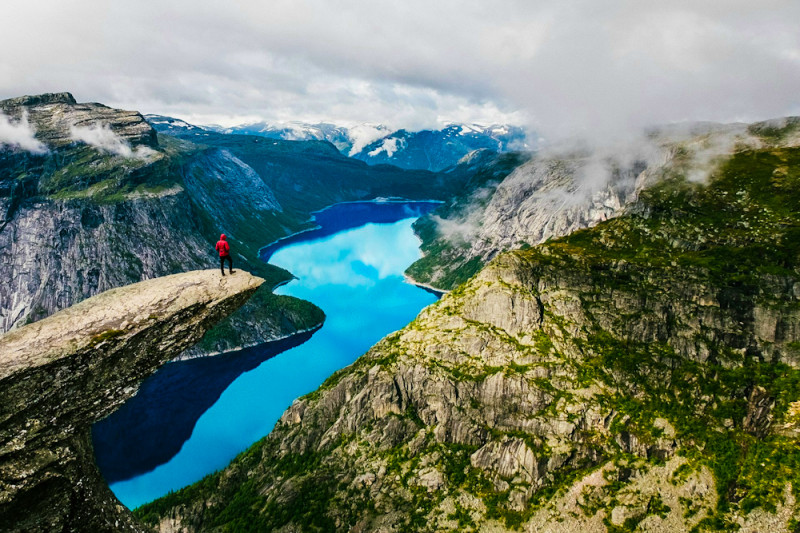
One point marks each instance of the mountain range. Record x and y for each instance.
(105, 201)
(631, 366)
(433, 150)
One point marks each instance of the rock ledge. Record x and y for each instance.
(63, 373)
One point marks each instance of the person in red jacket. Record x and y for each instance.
(224, 250)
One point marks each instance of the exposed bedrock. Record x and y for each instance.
(61, 374)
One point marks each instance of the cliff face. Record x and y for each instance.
(564, 190)
(642, 373)
(62, 252)
(61, 374)
(108, 204)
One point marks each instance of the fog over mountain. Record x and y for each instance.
(603, 67)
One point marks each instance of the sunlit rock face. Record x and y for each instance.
(567, 188)
(639, 374)
(61, 374)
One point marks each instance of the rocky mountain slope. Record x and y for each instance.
(97, 199)
(439, 149)
(570, 188)
(641, 374)
(61, 374)
(106, 204)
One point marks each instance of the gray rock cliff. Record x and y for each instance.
(61, 374)
(90, 215)
(564, 189)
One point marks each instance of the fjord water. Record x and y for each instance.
(211, 409)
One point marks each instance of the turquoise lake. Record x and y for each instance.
(193, 417)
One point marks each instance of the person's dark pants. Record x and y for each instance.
(222, 259)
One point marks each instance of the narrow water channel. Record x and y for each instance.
(192, 417)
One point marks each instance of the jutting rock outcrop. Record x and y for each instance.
(61, 374)
(105, 202)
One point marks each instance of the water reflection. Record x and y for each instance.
(124, 443)
(354, 275)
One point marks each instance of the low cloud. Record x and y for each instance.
(103, 138)
(390, 146)
(464, 227)
(363, 134)
(19, 134)
(579, 182)
(598, 68)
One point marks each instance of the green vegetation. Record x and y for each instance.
(741, 226)
(443, 264)
(734, 236)
(442, 257)
(106, 335)
(659, 328)
(775, 131)
(272, 312)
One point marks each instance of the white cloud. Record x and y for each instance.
(103, 138)
(596, 67)
(19, 134)
(363, 134)
(390, 146)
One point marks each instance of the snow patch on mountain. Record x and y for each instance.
(390, 146)
(364, 134)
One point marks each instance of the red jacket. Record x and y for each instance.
(222, 246)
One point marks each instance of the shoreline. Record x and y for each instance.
(381, 200)
(239, 348)
(424, 286)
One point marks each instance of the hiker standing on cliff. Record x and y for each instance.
(224, 250)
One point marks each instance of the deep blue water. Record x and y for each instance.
(191, 418)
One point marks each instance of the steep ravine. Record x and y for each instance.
(62, 373)
(638, 375)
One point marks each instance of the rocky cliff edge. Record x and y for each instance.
(61, 374)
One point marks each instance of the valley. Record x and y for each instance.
(617, 348)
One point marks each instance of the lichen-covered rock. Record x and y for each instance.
(61, 374)
(54, 115)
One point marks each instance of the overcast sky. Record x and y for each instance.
(562, 66)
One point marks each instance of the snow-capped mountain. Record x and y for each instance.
(346, 140)
(438, 149)
(375, 144)
(173, 126)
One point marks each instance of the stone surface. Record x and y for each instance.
(562, 190)
(61, 374)
(54, 114)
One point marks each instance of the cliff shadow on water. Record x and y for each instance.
(168, 404)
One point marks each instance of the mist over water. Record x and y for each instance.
(356, 277)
